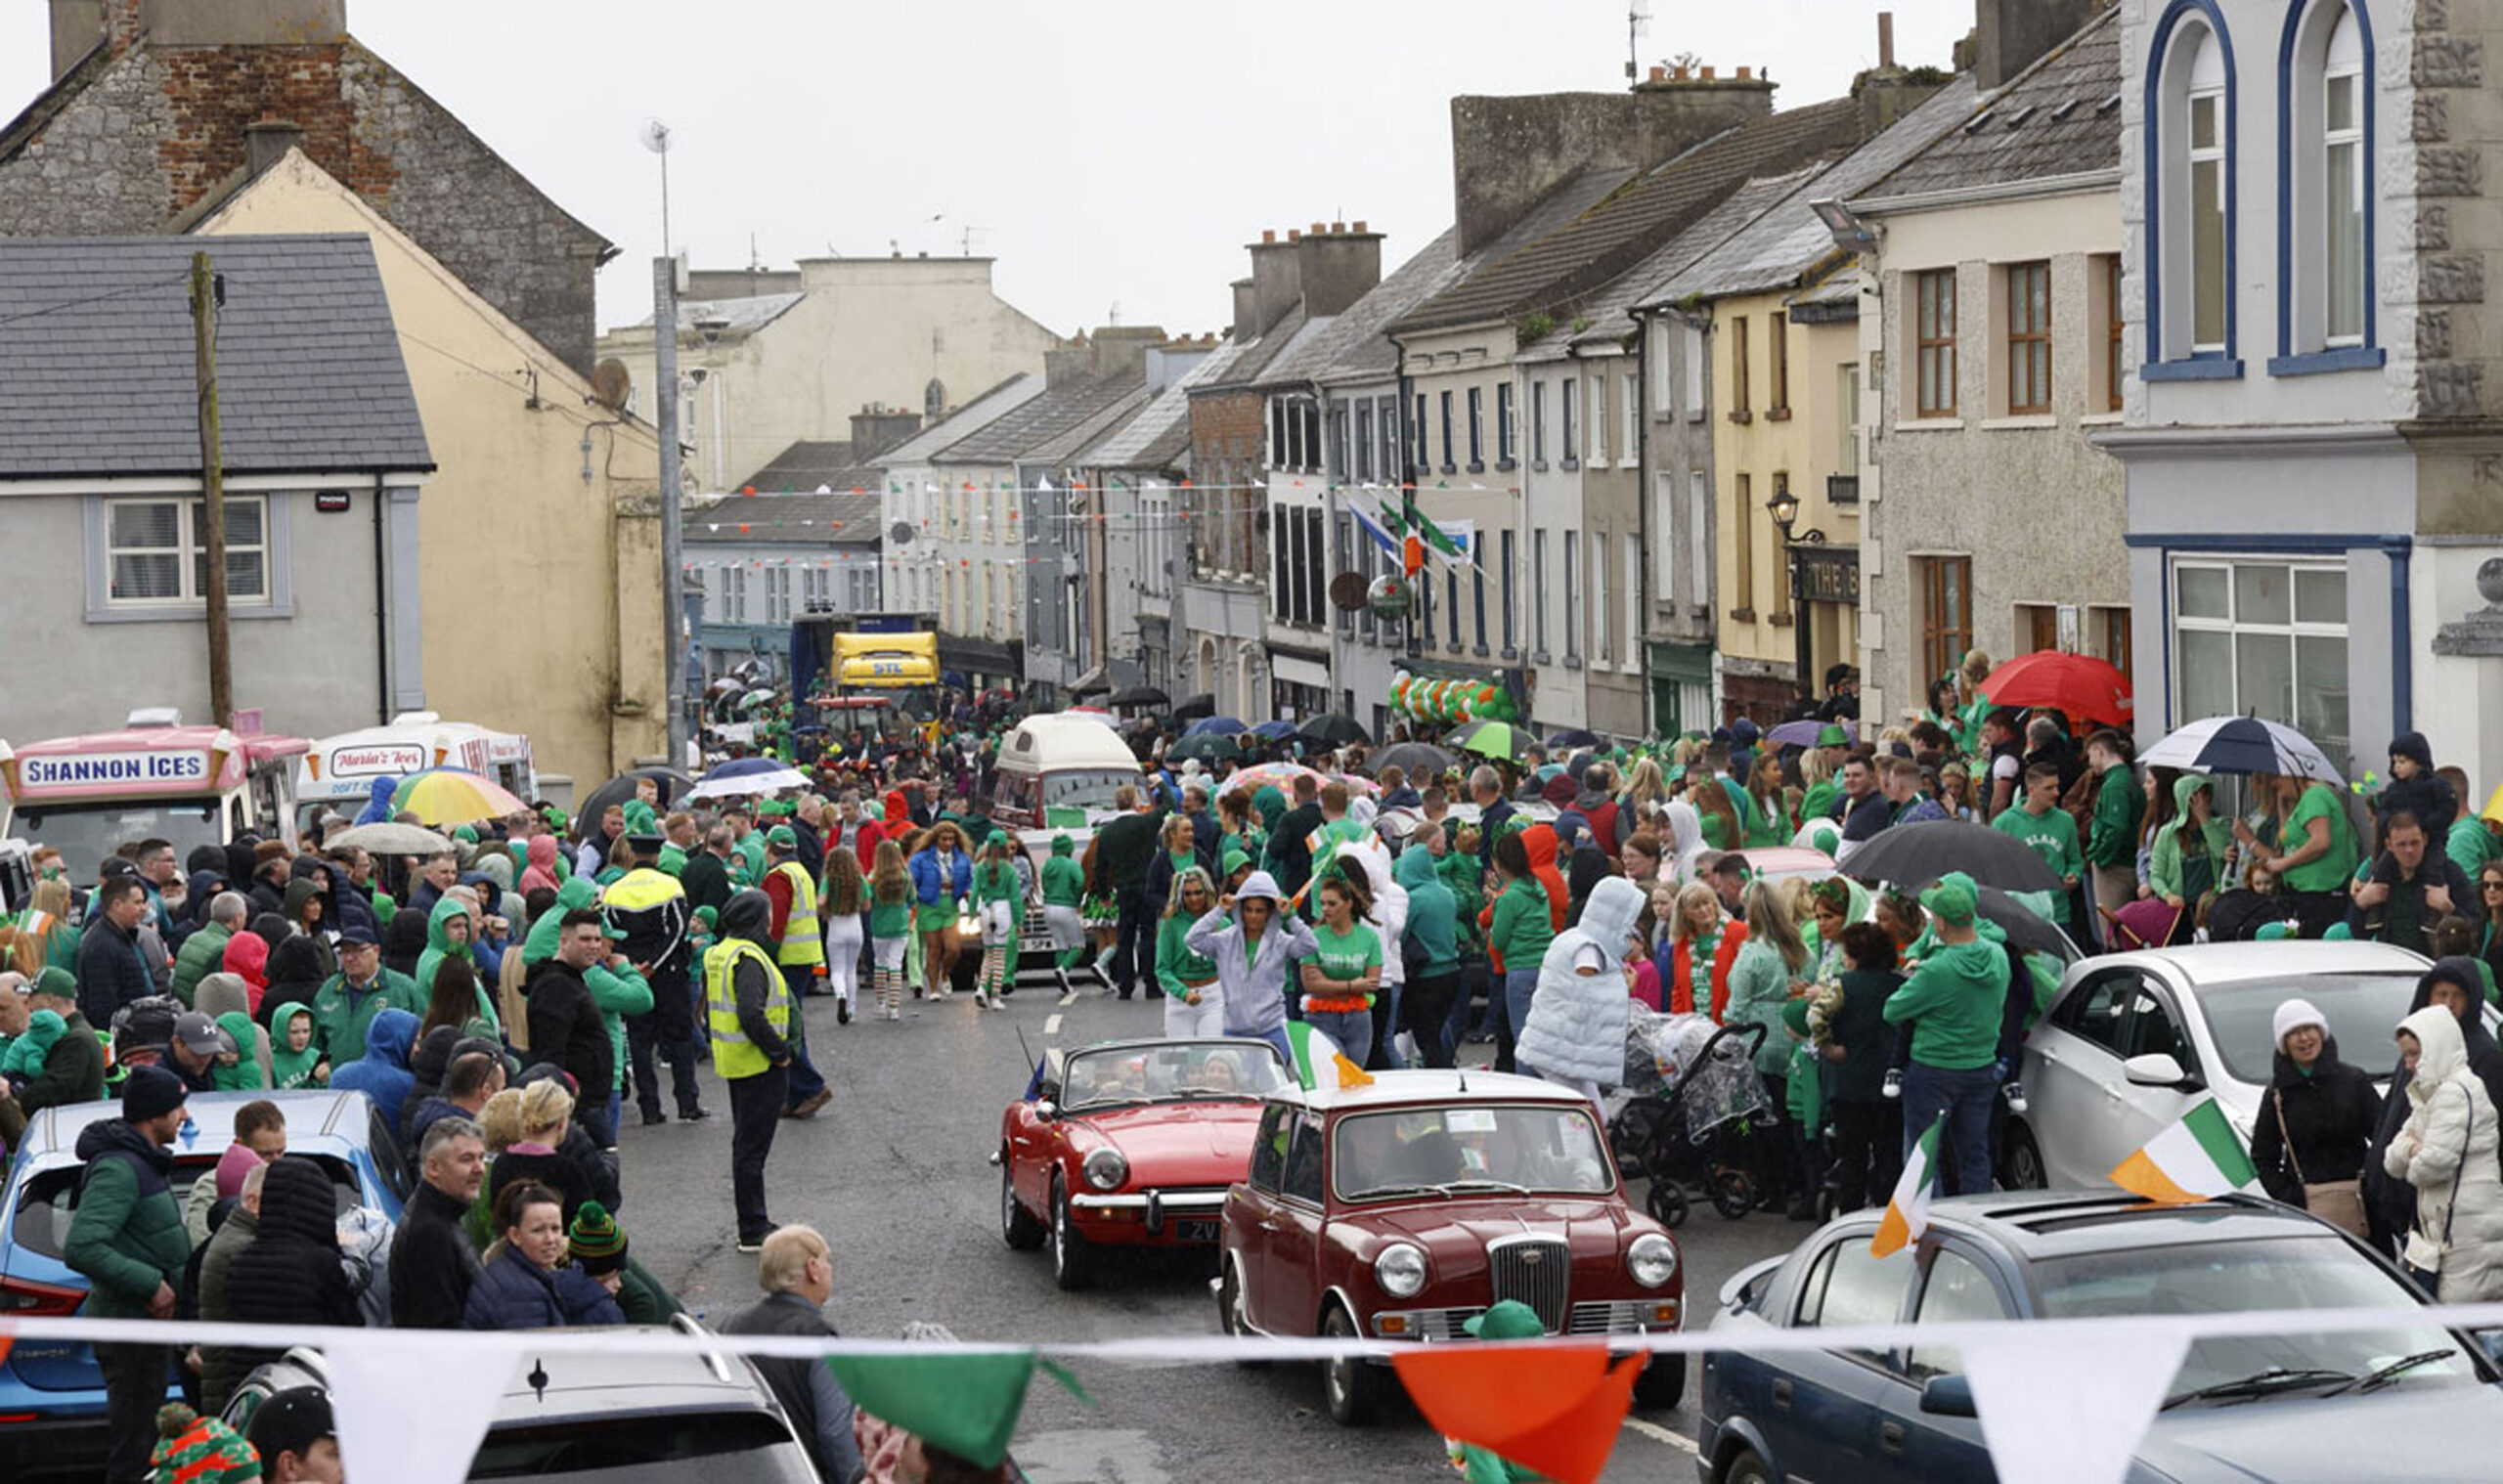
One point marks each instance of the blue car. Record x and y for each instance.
(52, 1400)
(2410, 1402)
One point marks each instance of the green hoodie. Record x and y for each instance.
(1271, 806)
(2052, 835)
(1466, 875)
(575, 895)
(2119, 805)
(2173, 871)
(2470, 844)
(1174, 960)
(1433, 914)
(440, 944)
(245, 1075)
(1522, 929)
(1064, 880)
(292, 1068)
(1953, 1002)
(996, 880)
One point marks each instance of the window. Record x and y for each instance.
(2342, 175)
(1303, 1171)
(2267, 638)
(1505, 544)
(1630, 427)
(1451, 608)
(1934, 344)
(157, 552)
(2111, 631)
(1566, 387)
(734, 593)
(1538, 423)
(1603, 632)
(1477, 429)
(1946, 612)
(1664, 388)
(1696, 388)
(1538, 590)
(1742, 548)
(1738, 393)
(1478, 596)
(1698, 538)
(1847, 422)
(1776, 331)
(2037, 626)
(2029, 338)
(1572, 594)
(1389, 425)
(1448, 445)
(1426, 608)
(1269, 1148)
(2108, 270)
(2189, 211)
(1846, 1286)
(1339, 460)
(1957, 1292)
(1364, 440)
(1597, 452)
(1423, 456)
(1504, 437)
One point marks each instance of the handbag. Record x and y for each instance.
(2339, 1202)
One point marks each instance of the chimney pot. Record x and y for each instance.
(1886, 40)
(1316, 229)
(1681, 73)
(1659, 73)
(1707, 74)
(1744, 73)
(1293, 235)
(1360, 227)
(1268, 236)
(1337, 227)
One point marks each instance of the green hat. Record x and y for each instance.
(1826, 838)
(56, 980)
(595, 1240)
(1953, 899)
(709, 916)
(1795, 1014)
(2336, 933)
(1832, 736)
(1508, 1319)
(782, 838)
(776, 807)
(996, 837)
(2271, 932)
(201, 1449)
(1235, 861)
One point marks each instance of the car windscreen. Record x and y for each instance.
(1400, 1152)
(2360, 1008)
(48, 1201)
(1182, 1071)
(2261, 1273)
(611, 1449)
(86, 834)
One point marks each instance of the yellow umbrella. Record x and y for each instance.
(453, 796)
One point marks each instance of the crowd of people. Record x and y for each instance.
(503, 996)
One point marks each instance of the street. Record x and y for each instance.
(896, 1173)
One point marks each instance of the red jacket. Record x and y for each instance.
(1680, 993)
(1540, 841)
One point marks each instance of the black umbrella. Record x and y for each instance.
(1415, 759)
(2026, 928)
(1193, 707)
(1090, 687)
(1570, 738)
(1916, 854)
(1207, 747)
(1137, 695)
(1331, 730)
(621, 788)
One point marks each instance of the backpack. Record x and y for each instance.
(143, 1028)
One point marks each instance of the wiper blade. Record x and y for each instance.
(1397, 1190)
(1484, 1184)
(2266, 1382)
(2394, 1371)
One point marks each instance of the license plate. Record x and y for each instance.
(1204, 1230)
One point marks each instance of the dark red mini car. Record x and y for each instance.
(1403, 1208)
(1129, 1143)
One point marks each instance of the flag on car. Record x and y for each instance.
(2195, 1160)
(1907, 1209)
(1319, 1063)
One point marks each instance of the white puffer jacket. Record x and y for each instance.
(1576, 1022)
(2447, 1151)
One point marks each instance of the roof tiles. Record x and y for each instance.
(2059, 118)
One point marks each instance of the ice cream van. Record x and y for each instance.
(156, 778)
(339, 773)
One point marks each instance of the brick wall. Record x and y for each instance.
(1228, 431)
(152, 132)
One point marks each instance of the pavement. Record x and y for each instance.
(896, 1173)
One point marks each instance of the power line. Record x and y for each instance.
(118, 294)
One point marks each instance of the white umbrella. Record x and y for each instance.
(392, 839)
(2242, 745)
(742, 784)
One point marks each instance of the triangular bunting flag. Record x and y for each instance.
(2073, 1412)
(1556, 1409)
(466, 1372)
(967, 1404)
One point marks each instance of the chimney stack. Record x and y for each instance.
(267, 142)
(1336, 268)
(1277, 282)
(1246, 309)
(2012, 35)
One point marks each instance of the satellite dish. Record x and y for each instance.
(1347, 591)
(901, 533)
(656, 136)
(610, 385)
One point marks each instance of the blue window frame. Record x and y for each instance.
(2209, 155)
(2326, 136)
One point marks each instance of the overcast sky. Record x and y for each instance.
(1108, 153)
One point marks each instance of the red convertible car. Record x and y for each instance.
(1403, 1208)
(1129, 1143)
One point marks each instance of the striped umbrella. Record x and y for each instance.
(2242, 745)
(453, 796)
(1283, 775)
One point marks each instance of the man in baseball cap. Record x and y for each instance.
(297, 1439)
(198, 1042)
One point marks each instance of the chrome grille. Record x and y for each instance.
(1534, 1271)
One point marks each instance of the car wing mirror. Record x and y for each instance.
(1045, 1109)
(1947, 1396)
(2158, 1069)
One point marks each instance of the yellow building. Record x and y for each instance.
(541, 579)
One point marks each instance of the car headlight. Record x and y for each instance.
(1652, 1260)
(1105, 1168)
(1400, 1269)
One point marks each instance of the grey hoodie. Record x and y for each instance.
(1252, 988)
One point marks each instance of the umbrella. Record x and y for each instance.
(1283, 775)
(1572, 737)
(1490, 739)
(1418, 759)
(1275, 732)
(388, 839)
(1207, 747)
(1219, 725)
(453, 796)
(2076, 685)
(1091, 687)
(674, 787)
(1916, 854)
(1137, 695)
(1806, 732)
(742, 767)
(771, 780)
(1195, 707)
(2242, 745)
(1331, 730)
(2030, 931)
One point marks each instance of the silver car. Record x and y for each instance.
(2134, 1041)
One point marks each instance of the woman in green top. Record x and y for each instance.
(890, 927)
(1345, 970)
(1722, 829)
(1193, 1006)
(1771, 822)
(999, 903)
(2314, 852)
(2187, 858)
(1517, 932)
(1237, 828)
(1762, 980)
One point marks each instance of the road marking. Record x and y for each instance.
(1659, 1434)
(1052, 1027)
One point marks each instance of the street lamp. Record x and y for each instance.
(1784, 508)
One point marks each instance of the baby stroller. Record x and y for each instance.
(1685, 1130)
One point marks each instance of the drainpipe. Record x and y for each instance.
(381, 607)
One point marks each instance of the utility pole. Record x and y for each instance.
(672, 545)
(208, 293)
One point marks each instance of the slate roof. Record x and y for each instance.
(1783, 244)
(1610, 311)
(1250, 364)
(806, 465)
(1065, 447)
(963, 423)
(96, 363)
(2059, 118)
(740, 316)
(788, 520)
(1358, 344)
(1058, 411)
(1611, 236)
(1161, 434)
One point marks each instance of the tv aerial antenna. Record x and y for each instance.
(1636, 18)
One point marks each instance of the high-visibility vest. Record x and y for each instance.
(733, 1054)
(800, 946)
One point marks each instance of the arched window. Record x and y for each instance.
(2190, 193)
(2325, 219)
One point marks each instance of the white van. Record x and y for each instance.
(339, 773)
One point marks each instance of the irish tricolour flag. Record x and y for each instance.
(1318, 1061)
(1907, 1209)
(2197, 1158)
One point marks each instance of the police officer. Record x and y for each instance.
(749, 1013)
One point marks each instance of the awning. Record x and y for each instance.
(1297, 672)
(1090, 682)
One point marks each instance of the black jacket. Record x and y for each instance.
(433, 1266)
(563, 1175)
(799, 1385)
(2401, 919)
(110, 972)
(512, 1292)
(2330, 1116)
(290, 1274)
(707, 881)
(565, 1026)
(1861, 1031)
(2424, 796)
